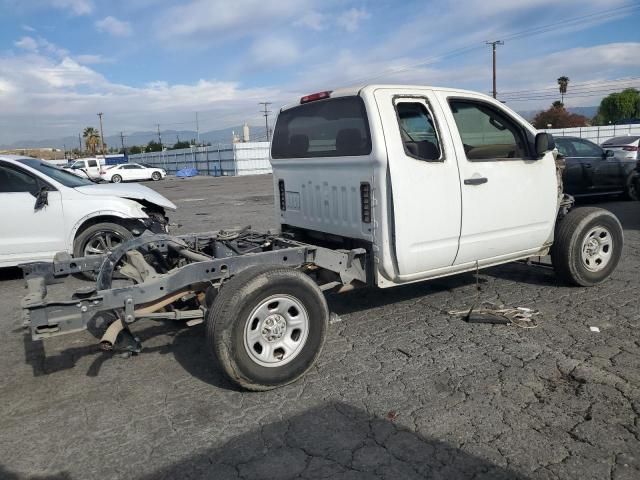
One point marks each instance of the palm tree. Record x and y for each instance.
(563, 82)
(91, 139)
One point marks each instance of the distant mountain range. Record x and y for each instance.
(169, 137)
(224, 136)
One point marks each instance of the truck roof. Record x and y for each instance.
(358, 89)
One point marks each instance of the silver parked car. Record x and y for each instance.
(624, 148)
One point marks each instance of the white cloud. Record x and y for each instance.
(313, 20)
(351, 19)
(89, 59)
(274, 51)
(77, 7)
(40, 44)
(27, 43)
(199, 17)
(28, 28)
(115, 27)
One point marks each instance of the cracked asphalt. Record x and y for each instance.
(401, 391)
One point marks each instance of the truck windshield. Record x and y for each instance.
(65, 178)
(335, 127)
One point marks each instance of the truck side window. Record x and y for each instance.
(93, 163)
(418, 132)
(486, 133)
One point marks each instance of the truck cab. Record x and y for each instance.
(435, 181)
(86, 167)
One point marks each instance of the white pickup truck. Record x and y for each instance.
(375, 186)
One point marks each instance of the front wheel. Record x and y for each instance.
(99, 239)
(267, 326)
(155, 176)
(587, 246)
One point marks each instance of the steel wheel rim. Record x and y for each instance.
(597, 249)
(276, 331)
(102, 242)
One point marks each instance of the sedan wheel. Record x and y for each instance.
(116, 179)
(631, 191)
(103, 241)
(155, 176)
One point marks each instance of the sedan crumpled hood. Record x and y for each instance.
(132, 191)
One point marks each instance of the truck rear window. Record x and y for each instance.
(336, 127)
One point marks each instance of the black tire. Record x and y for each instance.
(631, 188)
(116, 179)
(572, 233)
(230, 315)
(156, 176)
(86, 236)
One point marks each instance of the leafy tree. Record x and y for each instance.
(180, 144)
(134, 150)
(559, 117)
(619, 106)
(563, 83)
(91, 139)
(153, 146)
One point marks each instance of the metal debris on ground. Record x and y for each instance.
(487, 312)
(594, 329)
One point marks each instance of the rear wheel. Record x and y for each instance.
(116, 179)
(587, 246)
(155, 176)
(267, 326)
(631, 189)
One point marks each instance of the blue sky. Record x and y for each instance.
(144, 62)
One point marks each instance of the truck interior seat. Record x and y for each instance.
(349, 142)
(423, 149)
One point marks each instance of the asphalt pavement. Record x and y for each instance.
(402, 389)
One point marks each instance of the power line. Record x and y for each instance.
(101, 133)
(616, 82)
(266, 113)
(494, 44)
(515, 35)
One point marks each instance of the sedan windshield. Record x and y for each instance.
(65, 178)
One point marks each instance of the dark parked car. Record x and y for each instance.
(590, 170)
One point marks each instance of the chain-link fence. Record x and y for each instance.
(251, 158)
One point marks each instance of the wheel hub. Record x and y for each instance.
(273, 327)
(596, 249)
(276, 330)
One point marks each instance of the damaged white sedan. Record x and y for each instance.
(45, 210)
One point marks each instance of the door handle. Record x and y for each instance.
(476, 181)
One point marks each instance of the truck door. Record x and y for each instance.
(509, 198)
(424, 182)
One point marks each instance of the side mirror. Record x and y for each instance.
(609, 153)
(42, 199)
(544, 143)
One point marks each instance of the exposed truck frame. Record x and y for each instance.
(262, 294)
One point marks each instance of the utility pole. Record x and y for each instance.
(80, 143)
(493, 45)
(101, 134)
(197, 129)
(159, 137)
(124, 150)
(266, 113)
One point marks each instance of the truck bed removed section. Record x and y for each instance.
(173, 277)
